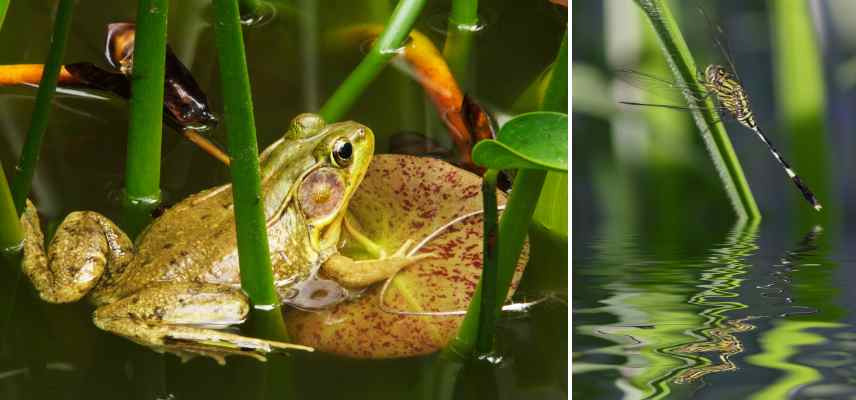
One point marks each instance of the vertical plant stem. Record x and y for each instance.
(555, 96)
(718, 144)
(463, 22)
(383, 49)
(4, 6)
(253, 251)
(552, 209)
(798, 69)
(513, 227)
(23, 180)
(487, 321)
(10, 227)
(142, 166)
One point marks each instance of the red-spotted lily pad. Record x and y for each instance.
(401, 198)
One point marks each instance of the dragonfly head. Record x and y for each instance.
(715, 73)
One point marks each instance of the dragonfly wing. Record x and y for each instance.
(661, 88)
(718, 36)
(720, 110)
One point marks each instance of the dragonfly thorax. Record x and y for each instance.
(730, 94)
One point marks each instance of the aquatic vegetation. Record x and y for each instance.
(533, 144)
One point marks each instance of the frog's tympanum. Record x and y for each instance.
(179, 284)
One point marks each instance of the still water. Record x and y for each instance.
(755, 312)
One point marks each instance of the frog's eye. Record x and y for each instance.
(342, 152)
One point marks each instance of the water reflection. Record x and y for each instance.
(733, 320)
(720, 283)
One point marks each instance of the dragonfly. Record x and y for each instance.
(725, 87)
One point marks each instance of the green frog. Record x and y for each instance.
(178, 286)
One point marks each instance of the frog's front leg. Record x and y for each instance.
(181, 317)
(361, 273)
(86, 248)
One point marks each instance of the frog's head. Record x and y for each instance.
(317, 167)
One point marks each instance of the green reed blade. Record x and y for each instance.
(801, 101)
(715, 137)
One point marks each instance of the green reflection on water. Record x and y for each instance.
(778, 346)
(675, 328)
(661, 332)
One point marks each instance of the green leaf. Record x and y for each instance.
(537, 140)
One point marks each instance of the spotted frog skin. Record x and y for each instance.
(179, 285)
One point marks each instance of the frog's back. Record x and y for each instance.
(192, 241)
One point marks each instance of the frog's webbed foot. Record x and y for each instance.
(86, 246)
(361, 273)
(183, 317)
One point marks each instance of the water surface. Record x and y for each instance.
(755, 312)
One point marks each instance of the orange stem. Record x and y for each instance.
(207, 146)
(24, 74)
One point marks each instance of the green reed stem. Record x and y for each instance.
(513, 227)
(4, 6)
(555, 97)
(383, 49)
(142, 165)
(10, 227)
(253, 251)
(798, 69)
(22, 181)
(552, 208)
(463, 22)
(490, 272)
(715, 137)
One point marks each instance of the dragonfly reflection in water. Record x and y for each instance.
(726, 89)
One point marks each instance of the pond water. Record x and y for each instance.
(53, 352)
(759, 312)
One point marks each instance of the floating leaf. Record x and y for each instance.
(537, 140)
(401, 198)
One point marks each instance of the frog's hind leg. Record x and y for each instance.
(86, 248)
(184, 318)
